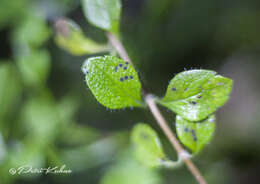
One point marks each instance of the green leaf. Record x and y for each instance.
(103, 13)
(196, 94)
(195, 135)
(113, 82)
(147, 146)
(71, 38)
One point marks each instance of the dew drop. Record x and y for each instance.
(126, 77)
(186, 89)
(131, 77)
(116, 68)
(84, 70)
(120, 65)
(127, 63)
(121, 79)
(174, 89)
(186, 129)
(125, 68)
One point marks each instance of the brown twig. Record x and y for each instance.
(119, 47)
(172, 138)
(149, 99)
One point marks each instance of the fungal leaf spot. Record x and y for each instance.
(109, 84)
(200, 134)
(187, 101)
(147, 146)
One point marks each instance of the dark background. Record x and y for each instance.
(56, 120)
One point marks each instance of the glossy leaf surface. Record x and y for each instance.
(196, 94)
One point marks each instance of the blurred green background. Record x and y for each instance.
(48, 116)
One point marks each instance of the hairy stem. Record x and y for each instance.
(149, 99)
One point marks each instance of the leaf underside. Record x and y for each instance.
(113, 82)
(195, 135)
(196, 94)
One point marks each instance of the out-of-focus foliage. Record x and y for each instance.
(103, 14)
(128, 171)
(11, 12)
(162, 38)
(33, 31)
(10, 88)
(34, 67)
(147, 146)
(71, 38)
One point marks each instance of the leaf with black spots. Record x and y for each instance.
(111, 84)
(196, 94)
(195, 135)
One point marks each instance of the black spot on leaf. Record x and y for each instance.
(144, 135)
(193, 102)
(194, 136)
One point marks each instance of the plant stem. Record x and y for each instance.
(116, 43)
(119, 47)
(172, 138)
(149, 99)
